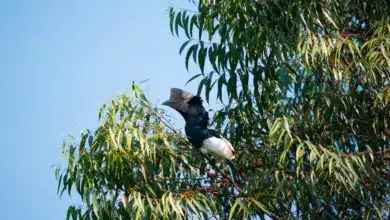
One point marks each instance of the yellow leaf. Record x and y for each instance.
(326, 13)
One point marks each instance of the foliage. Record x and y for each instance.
(136, 166)
(308, 112)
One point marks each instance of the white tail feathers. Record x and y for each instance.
(219, 148)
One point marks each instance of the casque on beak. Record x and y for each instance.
(178, 100)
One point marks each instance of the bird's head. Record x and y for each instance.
(178, 100)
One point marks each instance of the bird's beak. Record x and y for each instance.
(168, 103)
(173, 105)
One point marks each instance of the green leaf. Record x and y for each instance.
(231, 213)
(221, 82)
(300, 152)
(326, 13)
(331, 165)
(200, 26)
(69, 212)
(171, 19)
(199, 206)
(183, 46)
(177, 23)
(193, 22)
(232, 86)
(212, 58)
(200, 86)
(201, 58)
(313, 156)
(186, 27)
(275, 126)
(209, 86)
(287, 126)
(59, 184)
(189, 53)
(194, 52)
(95, 206)
(70, 184)
(64, 181)
(192, 78)
(261, 206)
(74, 214)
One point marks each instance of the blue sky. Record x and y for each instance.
(59, 62)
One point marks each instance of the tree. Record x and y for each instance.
(307, 109)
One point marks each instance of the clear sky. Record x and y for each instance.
(59, 62)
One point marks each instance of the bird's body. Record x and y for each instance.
(208, 141)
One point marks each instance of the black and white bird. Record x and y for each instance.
(208, 141)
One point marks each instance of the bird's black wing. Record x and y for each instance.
(214, 133)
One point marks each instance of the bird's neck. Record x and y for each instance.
(196, 121)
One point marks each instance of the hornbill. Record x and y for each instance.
(208, 141)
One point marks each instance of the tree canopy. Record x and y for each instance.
(305, 87)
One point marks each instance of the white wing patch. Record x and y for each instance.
(218, 147)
